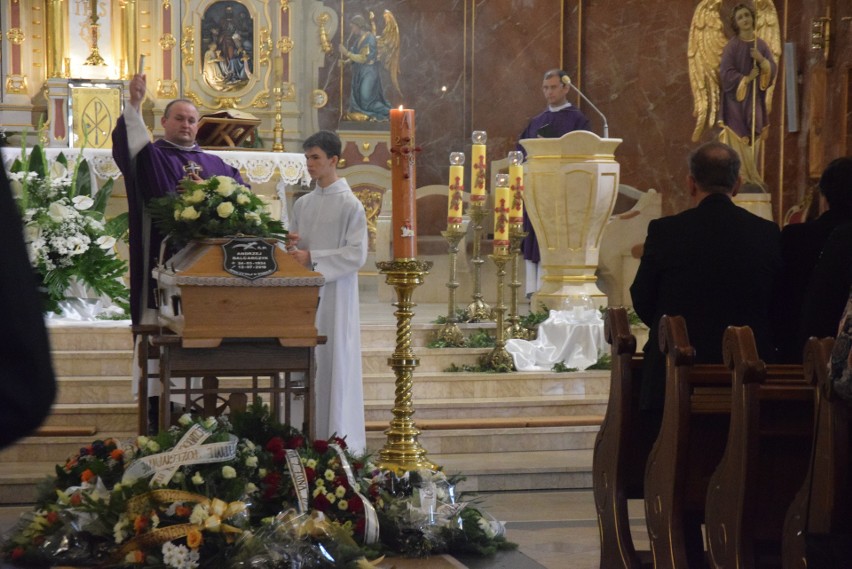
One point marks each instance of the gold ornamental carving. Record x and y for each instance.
(166, 89)
(167, 4)
(264, 47)
(319, 98)
(16, 84)
(285, 45)
(371, 199)
(261, 101)
(285, 5)
(187, 45)
(15, 36)
(288, 92)
(196, 100)
(167, 42)
(325, 43)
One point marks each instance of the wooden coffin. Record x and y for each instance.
(202, 302)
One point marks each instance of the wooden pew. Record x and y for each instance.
(618, 463)
(690, 445)
(823, 505)
(765, 458)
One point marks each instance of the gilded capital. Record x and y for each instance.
(167, 41)
(15, 36)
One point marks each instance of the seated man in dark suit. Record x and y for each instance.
(801, 244)
(714, 264)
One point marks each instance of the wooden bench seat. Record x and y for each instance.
(765, 458)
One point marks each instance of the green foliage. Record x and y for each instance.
(481, 339)
(533, 319)
(462, 316)
(604, 362)
(560, 367)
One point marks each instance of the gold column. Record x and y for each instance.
(129, 53)
(57, 22)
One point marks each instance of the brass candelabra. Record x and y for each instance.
(499, 358)
(450, 333)
(478, 309)
(278, 129)
(95, 56)
(515, 330)
(402, 451)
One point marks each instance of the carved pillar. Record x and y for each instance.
(57, 22)
(129, 53)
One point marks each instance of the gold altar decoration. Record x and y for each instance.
(402, 451)
(264, 47)
(129, 49)
(499, 359)
(56, 21)
(514, 329)
(325, 43)
(187, 46)
(371, 199)
(449, 333)
(95, 111)
(478, 309)
(278, 129)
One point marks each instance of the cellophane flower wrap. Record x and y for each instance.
(217, 207)
(65, 227)
(155, 502)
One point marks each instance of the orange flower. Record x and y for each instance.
(52, 517)
(135, 557)
(140, 524)
(116, 454)
(76, 499)
(194, 539)
(87, 475)
(182, 511)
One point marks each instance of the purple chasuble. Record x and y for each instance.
(154, 172)
(548, 124)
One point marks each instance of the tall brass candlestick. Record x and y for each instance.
(499, 358)
(95, 56)
(515, 330)
(478, 309)
(450, 333)
(402, 452)
(278, 129)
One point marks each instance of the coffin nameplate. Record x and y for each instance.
(250, 258)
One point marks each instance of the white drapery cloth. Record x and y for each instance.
(573, 337)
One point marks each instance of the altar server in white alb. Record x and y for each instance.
(328, 231)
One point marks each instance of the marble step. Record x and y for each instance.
(108, 418)
(490, 407)
(384, 335)
(113, 335)
(74, 363)
(102, 389)
(470, 386)
(498, 440)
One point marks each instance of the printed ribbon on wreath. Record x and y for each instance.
(188, 450)
(371, 525)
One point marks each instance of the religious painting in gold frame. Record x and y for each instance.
(94, 112)
(233, 41)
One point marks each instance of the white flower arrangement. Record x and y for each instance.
(65, 228)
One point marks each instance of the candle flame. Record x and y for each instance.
(401, 107)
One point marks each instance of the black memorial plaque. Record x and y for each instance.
(250, 258)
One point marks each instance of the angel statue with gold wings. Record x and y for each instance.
(365, 52)
(735, 78)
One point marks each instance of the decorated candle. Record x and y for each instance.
(502, 199)
(456, 194)
(479, 170)
(403, 184)
(516, 185)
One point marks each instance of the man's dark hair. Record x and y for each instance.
(326, 141)
(168, 108)
(715, 167)
(836, 184)
(555, 73)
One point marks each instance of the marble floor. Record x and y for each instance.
(553, 530)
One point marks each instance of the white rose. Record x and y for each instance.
(228, 472)
(106, 242)
(226, 186)
(153, 446)
(225, 209)
(197, 196)
(189, 214)
(58, 212)
(82, 203)
(251, 488)
(209, 423)
(197, 479)
(243, 199)
(185, 420)
(251, 462)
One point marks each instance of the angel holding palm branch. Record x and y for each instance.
(735, 78)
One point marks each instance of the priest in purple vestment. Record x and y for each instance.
(154, 169)
(560, 118)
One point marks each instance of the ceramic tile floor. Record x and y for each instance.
(553, 530)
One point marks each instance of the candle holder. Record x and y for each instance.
(402, 452)
(95, 56)
(515, 330)
(278, 129)
(450, 334)
(478, 309)
(499, 358)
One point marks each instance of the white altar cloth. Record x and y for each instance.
(574, 337)
(258, 167)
